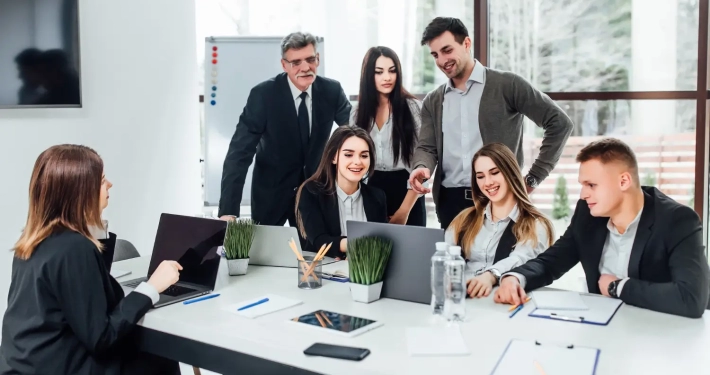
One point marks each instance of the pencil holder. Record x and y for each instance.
(309, 273)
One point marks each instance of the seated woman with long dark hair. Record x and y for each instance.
(335, 193)
(65, 313)
(503, 229)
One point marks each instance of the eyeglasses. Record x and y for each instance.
(309, 60)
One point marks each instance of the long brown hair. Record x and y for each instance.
(469, 222)
(64, 193)
(324, 179)
(404, 133)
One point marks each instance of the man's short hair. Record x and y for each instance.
(297, 40)
(608, 150)
(28, 57)
(440, 25)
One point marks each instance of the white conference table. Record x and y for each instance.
(636, 341)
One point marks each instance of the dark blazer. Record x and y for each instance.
(668, 269)
(320, 215)
(65, 313)
(268, 127)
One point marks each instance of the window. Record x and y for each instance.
(602, 45)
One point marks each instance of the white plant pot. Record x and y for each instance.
(237, 266)
(365, 293)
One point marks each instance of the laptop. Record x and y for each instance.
(193, 242)
(270, 247)
(408, 273)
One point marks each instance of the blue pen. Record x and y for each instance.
(520, 307)
(200, 299)
(253, 304)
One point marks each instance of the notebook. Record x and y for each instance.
(558, 300)
(532, 357)
(436, 341)
(599, 312)
(275, 303)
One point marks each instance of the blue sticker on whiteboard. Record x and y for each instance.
(214, 88)
(213, 102)
(214, 95)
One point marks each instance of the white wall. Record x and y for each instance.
(140, 113)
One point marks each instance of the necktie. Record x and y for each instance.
(303, 122)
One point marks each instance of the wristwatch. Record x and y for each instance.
(612, 288)
(495, 274)
(531, 181)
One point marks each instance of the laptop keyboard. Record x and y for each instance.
(172, 291)
(177, 290)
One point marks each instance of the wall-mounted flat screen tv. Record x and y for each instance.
(39, 54)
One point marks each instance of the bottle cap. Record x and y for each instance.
(455, 250)
(442, 246)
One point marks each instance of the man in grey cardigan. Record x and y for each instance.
(477, 106)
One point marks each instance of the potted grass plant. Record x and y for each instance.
(237, 243)
(367, 260)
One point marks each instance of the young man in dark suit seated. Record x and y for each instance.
(634, 243)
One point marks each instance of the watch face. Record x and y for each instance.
(530, 180)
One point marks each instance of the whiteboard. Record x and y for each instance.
(241, 63)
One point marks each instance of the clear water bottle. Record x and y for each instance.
(455, 286)
(437, 277)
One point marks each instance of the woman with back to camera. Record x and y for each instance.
(335, 193)
(65, 313)
(503, 229)
(392, 117)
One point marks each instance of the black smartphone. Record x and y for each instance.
(337, 351)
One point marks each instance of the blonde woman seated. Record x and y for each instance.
(503, 229)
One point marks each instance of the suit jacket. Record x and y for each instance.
(268, 126)
(320, 215)
(507, 98)
(668, 269)
(65, 313)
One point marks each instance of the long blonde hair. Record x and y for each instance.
(64, 193)
(469, 222)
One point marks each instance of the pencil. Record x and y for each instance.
(539, 368)
(516, 306)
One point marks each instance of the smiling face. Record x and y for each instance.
(385, 75)
(105, 186)
(301, 66)
(603, 186)
(490, 179)
(450, 56)
(353, 160)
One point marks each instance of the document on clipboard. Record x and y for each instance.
(600, 311)
(532, 357)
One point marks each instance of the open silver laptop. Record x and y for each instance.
(193, 242)
(408, 273)
(270, 247)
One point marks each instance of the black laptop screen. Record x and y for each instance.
(191, 241)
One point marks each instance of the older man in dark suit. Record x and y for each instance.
(286, 122)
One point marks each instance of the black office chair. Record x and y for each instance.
(124, 250)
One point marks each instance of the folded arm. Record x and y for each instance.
(314, 224)
(687, 292)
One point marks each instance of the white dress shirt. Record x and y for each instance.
(459, 123)
(382, 138)
(615, 254)
(350, 207)
(296, 93)
(483, 249)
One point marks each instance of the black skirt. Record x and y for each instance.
(394, 184)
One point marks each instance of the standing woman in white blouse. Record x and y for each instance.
(392, 117)
(503, 229)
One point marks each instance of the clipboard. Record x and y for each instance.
(601, 310)
(533, 357)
